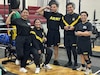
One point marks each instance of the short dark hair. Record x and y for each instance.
(71, 3)
(24, 9)
(84, 12)
(56, 3)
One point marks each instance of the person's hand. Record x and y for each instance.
(13, 12)
(66, 28)
(71, 28)
(39, 51)
(45, 39)
(47, 7)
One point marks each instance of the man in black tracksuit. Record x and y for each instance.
(38, 33)
(69, 21)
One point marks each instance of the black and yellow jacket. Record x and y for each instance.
(70, 20)
(39, 36)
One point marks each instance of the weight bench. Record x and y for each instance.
(93, 39)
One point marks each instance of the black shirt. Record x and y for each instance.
(23, 26)
(53, 20)
(70, 18)
(84, 27)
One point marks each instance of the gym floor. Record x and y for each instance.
(63, 58)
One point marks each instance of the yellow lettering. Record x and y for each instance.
(55, 18)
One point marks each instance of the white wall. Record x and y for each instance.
(31, 3)
(62, 6)
(2, 1)
(89, 6)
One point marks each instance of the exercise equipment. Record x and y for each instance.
(10, 53)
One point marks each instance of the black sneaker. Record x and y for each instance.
(74, 67)
(68, 64)
(56, 62)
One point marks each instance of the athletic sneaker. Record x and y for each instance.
(68, 64)
(37, 70)
(23, 70)
(74, 67)
(88, 71)
(17, 62)
(47, 67)
(81, 68)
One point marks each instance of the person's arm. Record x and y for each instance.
(78, 33)
(35, 43)
(44, 36)
(41, 10)
(8, 21)
(62, 24)
(87, 33)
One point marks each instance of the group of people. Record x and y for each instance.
(77, 32)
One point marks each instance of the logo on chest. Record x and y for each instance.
(55, 18)
(73, 19)
(84, 27)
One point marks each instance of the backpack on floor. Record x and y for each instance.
(4, 38)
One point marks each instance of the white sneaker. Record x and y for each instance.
(17, 62)
(47, 67)
(88, 71)
(23, 70)
(37, 71)
(81, 68)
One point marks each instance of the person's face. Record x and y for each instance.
(37, 24)
(70, 9)
(53, 8)
(83, 17)
(25, 14)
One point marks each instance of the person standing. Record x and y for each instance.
(84, 31)
(70, 20)
(53, 22)
(23, 37)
